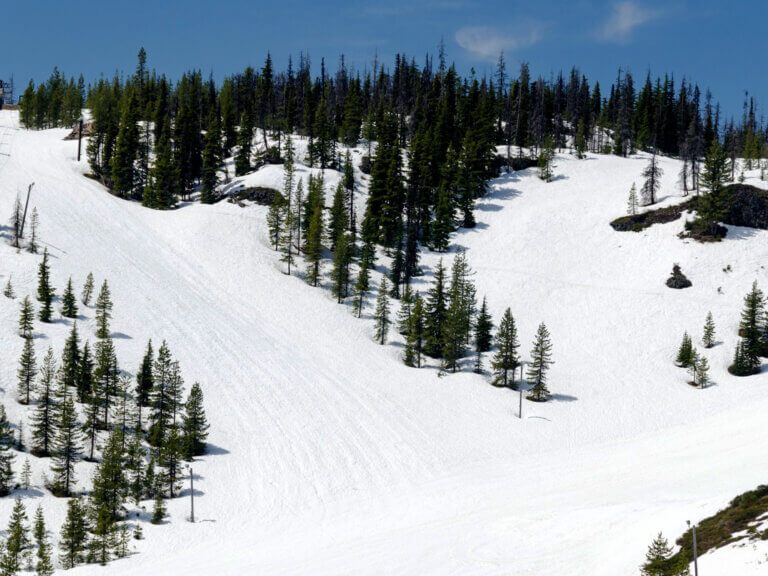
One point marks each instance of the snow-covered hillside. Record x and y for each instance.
(329, 456)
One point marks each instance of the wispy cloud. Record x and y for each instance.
(487, 42)
(624, 19)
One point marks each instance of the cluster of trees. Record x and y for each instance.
(753, 332)
(660, 560)
(57, 102)
(690, 358)
(85, 408)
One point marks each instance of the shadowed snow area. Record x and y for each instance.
(329, 456)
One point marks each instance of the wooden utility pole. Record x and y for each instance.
(26, 205)
(192, 495)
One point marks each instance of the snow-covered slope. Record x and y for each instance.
(329, 456)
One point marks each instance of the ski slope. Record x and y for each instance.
(329, 456)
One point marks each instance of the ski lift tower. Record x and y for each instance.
(6, 92)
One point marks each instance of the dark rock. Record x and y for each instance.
(259, 194)
(677, 279)
(749, 207)
(366, 164)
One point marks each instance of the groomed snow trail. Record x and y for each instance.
(331, 457)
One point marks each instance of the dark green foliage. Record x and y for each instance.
(362, 287)
(685, 352)
(74, 534)
(459, 313)
(715, 202)
(6, 456)
(84, 382)
(381, 315)
(44, 565)
(415, 333)
(27, 371)
(69, 302)
(436, 313)
(720, 529)
(194, 424)
(244, 140)
(708, 339)
(66, 447)
(158, 511)
(162, 401)
(144, 382)
(70, 359)
(747, 356)
(16, 540)
(276, 219)
(44, 418)
(339, 221)
(45, 291)
(164, 177)
(506, 360)
(211, 158)
(342, 260)
(103, 311)
(659, 560)
(124, 173)
(313, 251)
(26, 318)
(483, 337)
(541, 359)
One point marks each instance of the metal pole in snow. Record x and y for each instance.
(79, 138)
(695, 551)
(192, 494)
(520, 409)
(26, 205)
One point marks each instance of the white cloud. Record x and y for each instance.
(488, 42)
(624, 18)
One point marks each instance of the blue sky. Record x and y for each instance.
(720, 45)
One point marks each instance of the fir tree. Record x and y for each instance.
(342, 259)
(158, 511)
(6, 456)
(381, 315)
(84, 382)
(44, 566)
(170, 461)
(8, 291)
(339, 221)
(659, 560)
(546, 157)
(709, 332)
(292, 217)
(244, 141)
(506, 360)
(69, 302)
(45, 291)
(144, 382)
(211, 158)
(436, 312)
(26, 318)
(314, 248)
(632, 202)
(34, 223)
(70, 358)
(405, 310)
(414, 336)
(110, 486)
(701, 376)
(66, 448)
(483, 337)
(580, 141)
(652, 175)
(26, 475)
(750, 331)
(164, 177)
(74, 534)
(17, 542)
(541, 359)
(103, 311)
(714, 204)
(194, 424)
(43, 420)
(362, 287)
(461, 307)
(87, 290)
(276, 217)
(27, 371)
(160, 398)
(685, 352)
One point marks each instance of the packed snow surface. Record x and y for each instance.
(329, 456)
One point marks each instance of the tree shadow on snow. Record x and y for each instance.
(120, 336)
(213, 450)
(563, 398)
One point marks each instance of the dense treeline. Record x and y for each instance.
(155, 140)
